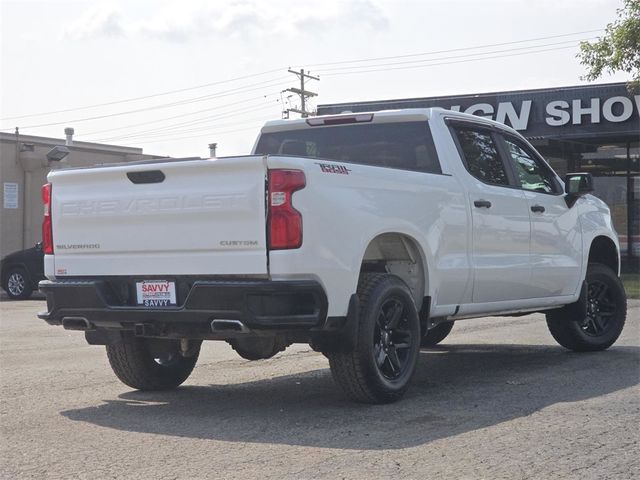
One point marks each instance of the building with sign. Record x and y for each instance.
(587, 128)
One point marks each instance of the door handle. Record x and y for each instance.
(537, 208)
(482, 203)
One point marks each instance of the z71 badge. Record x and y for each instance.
(329, 168)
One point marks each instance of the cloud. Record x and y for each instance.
(351, 14)
(188, 20)
(97, 21)
(179, 22)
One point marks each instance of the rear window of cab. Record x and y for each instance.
(403, 145)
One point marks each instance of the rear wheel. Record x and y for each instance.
(436, 334)
(379, 369)
(606, 313)
(18, 284)
(149, 364)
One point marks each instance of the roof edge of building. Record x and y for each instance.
(35, 139)
(472, 95)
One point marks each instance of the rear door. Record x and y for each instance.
(199, 217)
(500, 216)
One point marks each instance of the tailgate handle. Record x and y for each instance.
(147, 176)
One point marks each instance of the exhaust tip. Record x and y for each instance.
(76, 323)
(228, 326)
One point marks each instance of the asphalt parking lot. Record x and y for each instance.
(499, 399)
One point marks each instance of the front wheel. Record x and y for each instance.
(149, 364)
(380, 367)
(606, 313)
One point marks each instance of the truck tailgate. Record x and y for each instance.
(196, 217)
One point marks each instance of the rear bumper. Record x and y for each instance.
(257, 304)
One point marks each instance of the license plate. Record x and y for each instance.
(156, 293)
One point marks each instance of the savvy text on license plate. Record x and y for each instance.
(156, 293)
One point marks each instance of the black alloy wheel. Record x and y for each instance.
(392, 339)
(601, 308)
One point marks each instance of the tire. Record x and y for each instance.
(257, 348)
(437, 334)
(17, 284)
(605, 318)
(380, 367)
(135, 365)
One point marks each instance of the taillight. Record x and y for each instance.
(47, 229)
(284, 223)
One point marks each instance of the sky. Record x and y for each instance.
(173, 76)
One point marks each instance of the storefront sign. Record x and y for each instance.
(583, 111)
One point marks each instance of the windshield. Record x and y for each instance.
(405, 145)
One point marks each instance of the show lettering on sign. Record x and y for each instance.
(558, 112)
(614, 109)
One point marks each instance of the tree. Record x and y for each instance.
(619, 49)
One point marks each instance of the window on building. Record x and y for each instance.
(616, 169)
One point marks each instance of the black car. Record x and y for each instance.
(21, 271)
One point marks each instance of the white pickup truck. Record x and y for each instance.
(365, 235)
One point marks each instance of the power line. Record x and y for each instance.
(171, 128)
(446, 63)
(205, 85)
(455, 56)
(207, 128)
(453, 49)
(171, 139)
(133, 99)
(343, 70)
(226, 93)
(200, 120)
(180, 116)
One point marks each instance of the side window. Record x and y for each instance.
(481, 155)
(532, 174)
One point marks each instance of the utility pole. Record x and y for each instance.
(302, 93)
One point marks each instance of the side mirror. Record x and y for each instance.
(577, 185)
